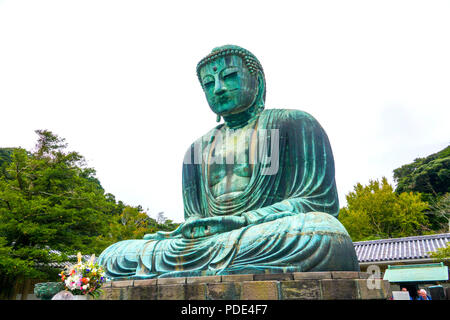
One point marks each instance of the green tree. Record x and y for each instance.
(52, 205)
(442, 255)
(429, 176)
(49, 199)
(440, 211)
(375, 211)
(5, 158)
(12, 266)
(134, 223)
(5, 155)
(168, 225)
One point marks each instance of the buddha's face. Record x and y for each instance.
(229, 87)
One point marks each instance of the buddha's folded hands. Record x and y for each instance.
(197, 227)
(161, 235)
(260, 216)
(177, 233)
(209, 226)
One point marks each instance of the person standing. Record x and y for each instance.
(422, 295)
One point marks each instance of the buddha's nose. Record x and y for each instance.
(219, 88)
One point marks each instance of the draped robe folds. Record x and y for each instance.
(290, 213)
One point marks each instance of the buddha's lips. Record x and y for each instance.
(222, 99)
(226, 97)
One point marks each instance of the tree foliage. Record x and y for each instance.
(375, 211)
(440, 212)
(441, 253)
(5, 158)
(5, 155)
(134, 224)
(429, 176)
(50, 200)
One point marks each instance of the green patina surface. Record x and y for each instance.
(46, 290)
(417, 273)
(259, 190)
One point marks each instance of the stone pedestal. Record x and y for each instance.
(287, 286)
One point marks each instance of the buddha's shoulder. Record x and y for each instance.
(288, 116)
(206, 138)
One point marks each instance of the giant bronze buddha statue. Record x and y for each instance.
(259, 190)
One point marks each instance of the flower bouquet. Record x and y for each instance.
(84, 278)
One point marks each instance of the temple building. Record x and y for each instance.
(399, 251)
(406, 263)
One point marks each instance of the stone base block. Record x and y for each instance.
(171, 292)
(224, 291)
(295, 286)
(339, 289)
(300, 290)
(259, 290)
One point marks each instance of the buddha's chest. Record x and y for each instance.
(229, 161)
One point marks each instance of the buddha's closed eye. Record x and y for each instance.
(230, 74)
(208, 81)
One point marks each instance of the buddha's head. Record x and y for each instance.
(233, 81)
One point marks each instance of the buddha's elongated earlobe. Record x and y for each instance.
(218, 118)
(261, 95)
(260, 107)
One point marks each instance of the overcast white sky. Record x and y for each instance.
(117, 80)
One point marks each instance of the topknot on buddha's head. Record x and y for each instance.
(251, 62)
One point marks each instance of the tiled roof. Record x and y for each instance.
(400, 248)
(64, 264)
